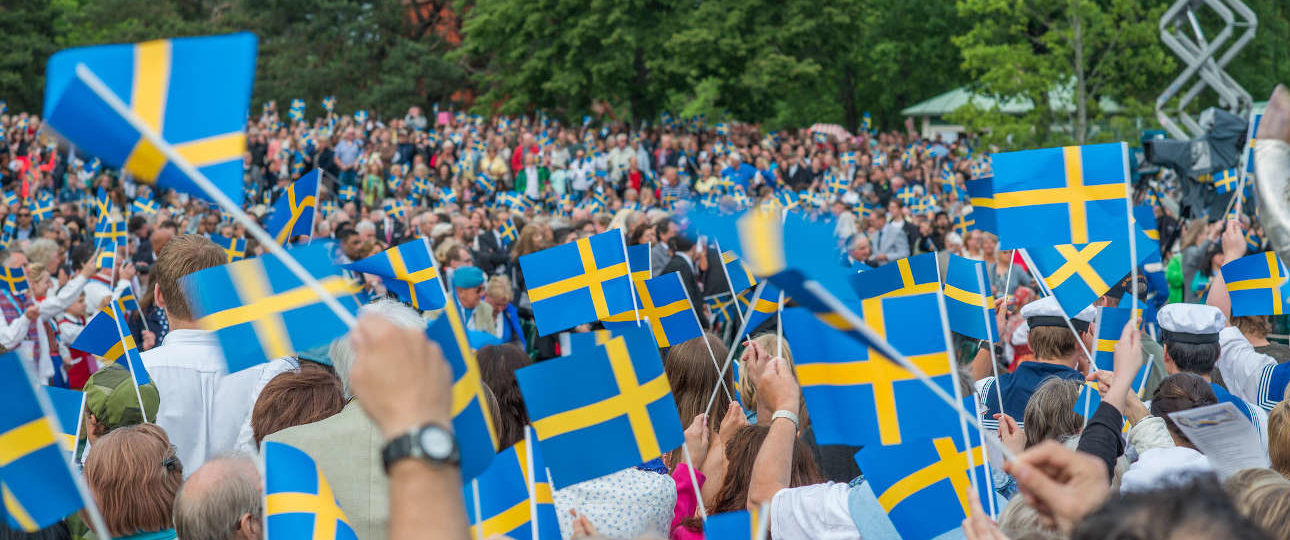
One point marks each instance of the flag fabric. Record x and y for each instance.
(347, 193)
(235, 248)
(293, 213)
(666, 307)
(108, 336)
(856, 395)
(145, 206)
(42, 209)
(981, 197)
(736, 525)
(601, 410)
(106, 259)
(911, 275)
(639, 264)
(1079, 274)
(505, 497)
(1249, 146)
(1257, 285)
(109, 234)
(720, 308)
(15, 280)
(1109, 324)
(965, 301)
(923, 484)
(767, 306)
(741, 278)
(37, 484)
(1225, 181)
(259, 310)
(1068, 195)
(409, 271)
(472, 421)
(298, 501)
(579, 282)
(506, 233)
(192, 92)
(68, 405)
(1148, 233)
(129, 302)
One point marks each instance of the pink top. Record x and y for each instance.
(686, 503)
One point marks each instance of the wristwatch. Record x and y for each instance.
(431, 442)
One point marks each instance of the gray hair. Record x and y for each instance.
(365, 226)
(43, 251)
(229, 488)
(342, 353)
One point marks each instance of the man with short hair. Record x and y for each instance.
(221, 500)
(346, 158)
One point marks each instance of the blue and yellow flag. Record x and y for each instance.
(42, 209)
(145, 206)
(298, 501)
(1068, 195)
(68, 405)
(108, 336)
(639, 263)
(1148, 233)
(507, 490)
(981, 197)
(1079, 274)
(907, 195)
(507, 233)
(1249, 146)
(858, 396)
(738, 525)
(15, 280)
(106, 259)
(1225, 181)
(969, 308)
(293, 213)
(409, 271)
(109, 234)
(721, 308)
(259, 310)
(129, 302)
(200, 111)
(472, 421)
(235, 248)
(911, 275)
(1110, 324)
(1257, 285)
(665, 306)
(923, 484)
(579, 282)
(37, 483)
(740, 277)
(347, 193)
(767, 306)
(601, 410)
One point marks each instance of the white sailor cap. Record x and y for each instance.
(1190, 323)
(1047, 312)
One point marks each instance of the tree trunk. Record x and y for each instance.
(1081, 85)
(850, 114)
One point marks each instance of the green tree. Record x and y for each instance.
(26, 41)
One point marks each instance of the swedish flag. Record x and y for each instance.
(1249, 146)
(1225, 181)
(981, 197)
(347, 193)
(15, 280)
(767, 306)
(507, 491)
(38, 487)
(923, 484)
(639, 264)
(42, 209)
(1110, 324)
(107, 259)
(720, 308)
(578, 282)
(298, 501)
(235, 248)
(910, 275)
(109, 234)
(1257, 285)
(485, 184)
(145, 206)
(472, 421)
(271, 313)
(129, 303)
(602, 410)
(964, 223)
(666, 306)
(192, 92)
(965, 301)
(740, 277)
(409, 271)
(108, 336)
(101, 203)
(907, 195)
(293, 213)
(840, 379)
(10, 198)
(1079, 274)
(68, 405)
(738, 525)
(1068, 195)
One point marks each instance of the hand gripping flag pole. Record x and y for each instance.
(95, 84)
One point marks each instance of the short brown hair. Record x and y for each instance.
(692, 375)
(1179, 392)
(1050, 413)
(133, 475)
(296, 398)
(1052, 342)
(1279, 438)
(183, 255)
(1253, 325)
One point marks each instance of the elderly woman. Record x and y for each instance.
(133, 475)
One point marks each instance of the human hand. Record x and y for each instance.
(978, 525)
(149, 339)
(1233, 242)
(696, 439)
(103, 304)
(582, 527)
(127, 272)
(32, 312)
(1013, 437)
(778, 387)
(734, 420)
(402, 377)
(1061, 484)
(90, 267)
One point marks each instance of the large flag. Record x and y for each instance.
(858, 396)
(969, 307)
(409, 271)
(259, 310)
(667, 309)
(1257, 285)
(15, 280)
(639, 264)
(601, 410)
(911, 275)
(579, 282)
(38, 487)
(68, 405)
(235, 248)
(1079, 274)
(108, 336)
(923, 484)
(472, 421)
(293, 213)
(192, 92)
(1068, 195)
(298, 501)
(507, 492)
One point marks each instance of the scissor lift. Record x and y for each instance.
(1204, 58)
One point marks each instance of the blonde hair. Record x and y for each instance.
(1020, 520)
(41, 250)
(1267, 506)
(1279, 438)
(499, 287)
(769, 342)
(1244, 480)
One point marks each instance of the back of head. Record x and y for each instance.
(183, 255)
(1279, 438)
(1196, 358)
(1019, 520)
(296, 398)
(1194, 510)
(1244, 480)
(110, 396)
(1052, 343)
(1179, 392)
(692, 376)
(1050, 413)
(342, 353)
(497, 366)
(1268, 507)
(133, 474)
(212, 503)
(741, 452)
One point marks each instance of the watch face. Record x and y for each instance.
(436, 443)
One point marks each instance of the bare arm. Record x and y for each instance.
(1233, 248)
(773, 467)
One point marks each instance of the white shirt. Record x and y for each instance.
(1244, 370)
(819, 511)
(627, 504)
(51, 307)
(260, 374)
(96, 291)
(531, 188)
(1162, 467)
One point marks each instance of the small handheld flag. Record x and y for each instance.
(68, 405)
(298, 501)
(235, 248)
(965, 301)
(923, 484)
(293, 213)
(666, 306)
(108, 336)
(15, 280)
(579, 282)
(911, 275)
(1068, 195)
(409, 271)
(506, 500)
(1257, 285)
(472, 420)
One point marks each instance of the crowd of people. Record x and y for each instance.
(175, 457)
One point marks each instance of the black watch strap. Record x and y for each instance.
(412, 445)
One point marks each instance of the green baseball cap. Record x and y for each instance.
(110, 397)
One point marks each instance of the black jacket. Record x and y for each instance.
(678, 264)
(489, 257)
